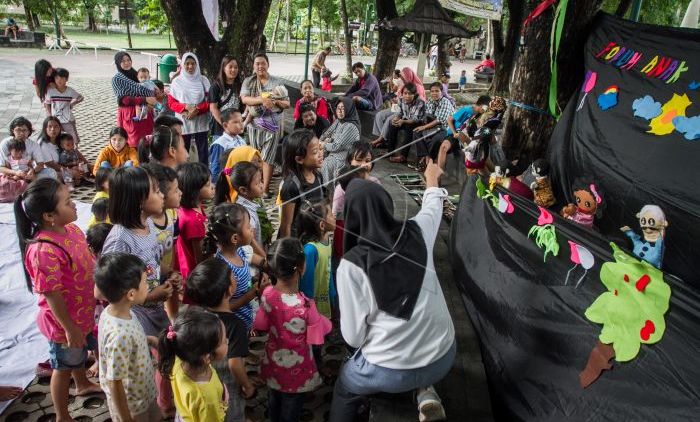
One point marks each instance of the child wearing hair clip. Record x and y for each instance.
(293, 323)
(187, 349)
(228, 231)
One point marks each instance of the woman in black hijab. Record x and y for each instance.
(130, 93)
(391, 304)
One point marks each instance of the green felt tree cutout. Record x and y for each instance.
(631, 311)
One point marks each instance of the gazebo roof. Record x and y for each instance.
(428, 17)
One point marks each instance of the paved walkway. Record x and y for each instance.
(464, 391)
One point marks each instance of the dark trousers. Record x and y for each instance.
(316, 76)
(201, 139)
(284, 407)
(400, 136)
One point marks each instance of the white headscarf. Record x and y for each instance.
(189, 88)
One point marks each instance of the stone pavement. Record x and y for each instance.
(464, 391)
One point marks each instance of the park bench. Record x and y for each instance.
(25, 39)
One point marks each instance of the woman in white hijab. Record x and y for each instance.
(188, 99)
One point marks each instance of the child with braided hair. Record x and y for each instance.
(228, 230)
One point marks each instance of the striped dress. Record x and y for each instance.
(264, 141)
(244, 282)
(339, 137)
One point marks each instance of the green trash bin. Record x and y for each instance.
(368, 68)
(167, 64)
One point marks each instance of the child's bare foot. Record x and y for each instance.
(8, 392)
(91, 388)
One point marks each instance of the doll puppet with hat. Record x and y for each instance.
(589, 204)
(506, 174)
(542, 186)
(650, 246)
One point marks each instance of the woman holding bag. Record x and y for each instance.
(188, 99)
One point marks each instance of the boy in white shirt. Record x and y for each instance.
(232, 122)
(60, 100)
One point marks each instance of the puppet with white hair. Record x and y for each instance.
(653, 223)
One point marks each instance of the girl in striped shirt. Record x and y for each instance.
(228, 230)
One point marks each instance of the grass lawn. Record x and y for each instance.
(116, 39)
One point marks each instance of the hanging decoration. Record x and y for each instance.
(580, 255)
(545, 235)
(557, 29)
(588, 84)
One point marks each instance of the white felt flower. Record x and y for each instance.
(295, 325)
(272, 383)
(287, 358)
(291, 300)
(266, 306)
(312, 383)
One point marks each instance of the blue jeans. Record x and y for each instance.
(284, 407)
(364, 104)
(360, 378)
(64, 358)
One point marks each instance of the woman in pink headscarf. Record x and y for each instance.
(382, 120)
(408, 75)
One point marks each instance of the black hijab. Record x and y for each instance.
(392, 253)
(351, 114)
(131, 73)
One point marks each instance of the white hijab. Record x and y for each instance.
(189, 88)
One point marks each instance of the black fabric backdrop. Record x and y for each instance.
(534, 336)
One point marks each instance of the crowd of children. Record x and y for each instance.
(176, 286)
(158, 280)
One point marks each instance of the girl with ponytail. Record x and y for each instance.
(186, 349)
(59, 267)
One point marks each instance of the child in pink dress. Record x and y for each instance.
(293, 323)
(59, 269)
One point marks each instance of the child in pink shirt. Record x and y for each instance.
(293, 323)
(194, 181)
(59, 267)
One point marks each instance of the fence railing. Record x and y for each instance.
(75, 46)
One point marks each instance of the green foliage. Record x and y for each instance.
(658, 12)
(545, 238)
(153, 16)
(484, 193)
(632, 310)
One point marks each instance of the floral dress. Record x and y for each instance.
(293, 323)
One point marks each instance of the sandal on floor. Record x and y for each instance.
(429, 405)
(397, 159)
